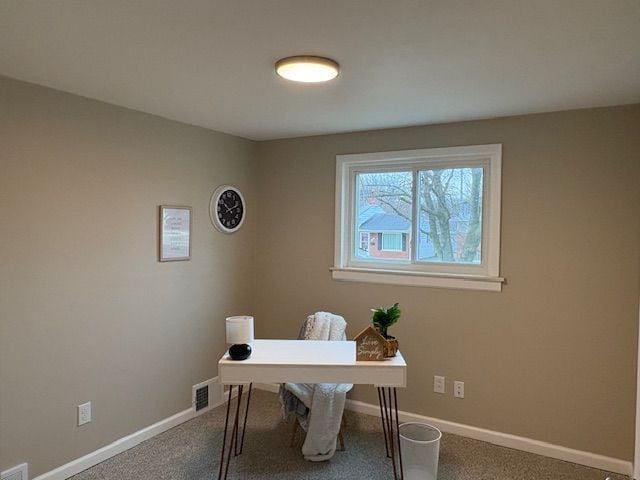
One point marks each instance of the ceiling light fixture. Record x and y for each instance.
(307, 69)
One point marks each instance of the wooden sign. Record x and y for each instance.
(370, 345)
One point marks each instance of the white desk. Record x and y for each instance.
(311, 361)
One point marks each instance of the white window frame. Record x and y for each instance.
(484, 276)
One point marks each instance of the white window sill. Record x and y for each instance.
(418, 279)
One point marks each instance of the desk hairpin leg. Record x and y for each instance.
(244, 423)
(384, 423)
(395, 400)
(235, 434)
(388, 400)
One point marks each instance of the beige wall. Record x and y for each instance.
(87, 311)
(553, 356)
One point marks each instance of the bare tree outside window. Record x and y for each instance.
(449, 217)
(451, 214)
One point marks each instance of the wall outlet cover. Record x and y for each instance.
(84, 413)
(458, 389)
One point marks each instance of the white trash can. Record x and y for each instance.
(420, 445)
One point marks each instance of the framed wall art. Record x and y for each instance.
(175, 233)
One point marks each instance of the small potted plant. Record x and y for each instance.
(382, 319)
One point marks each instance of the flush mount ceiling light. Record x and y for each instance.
(307, 69)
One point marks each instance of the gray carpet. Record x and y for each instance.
(191, 452)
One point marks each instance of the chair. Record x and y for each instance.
(296, 427)
(297, 398)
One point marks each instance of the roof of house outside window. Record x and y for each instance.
(367, 212)
(384, 222)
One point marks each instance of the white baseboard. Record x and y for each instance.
(125, 443)
(497, 438)
(524, 444)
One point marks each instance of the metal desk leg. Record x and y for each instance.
(395, 402)
(388, 399)
(235, 434)
(384, 423)
(244, 423)
(224, 437)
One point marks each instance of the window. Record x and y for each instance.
(364, 242)
(450, 213)
(421, 217)
(392, 242)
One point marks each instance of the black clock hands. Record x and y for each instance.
(227, 207)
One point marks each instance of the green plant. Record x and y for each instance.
(383, 318)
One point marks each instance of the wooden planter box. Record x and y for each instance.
(390, 347)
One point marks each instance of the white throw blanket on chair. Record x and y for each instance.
(324, 400)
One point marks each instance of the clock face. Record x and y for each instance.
(227, 209)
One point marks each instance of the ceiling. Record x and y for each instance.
(404, 62)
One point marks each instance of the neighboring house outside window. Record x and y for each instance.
(423, 217)
(389, 233)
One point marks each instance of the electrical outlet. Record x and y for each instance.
(84, 413)
(458, 389)
(438, 384)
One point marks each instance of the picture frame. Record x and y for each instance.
(175, 233)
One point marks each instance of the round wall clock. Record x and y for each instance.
(227, 209)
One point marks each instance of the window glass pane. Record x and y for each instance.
(392, 241)
(450, 219)
(383, 213)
